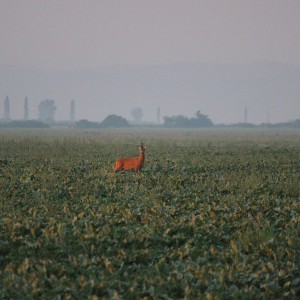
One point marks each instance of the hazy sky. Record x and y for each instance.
(77, 34)
(64, 34)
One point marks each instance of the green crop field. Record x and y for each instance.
(214, 214)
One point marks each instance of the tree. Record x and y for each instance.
(47, 110)
(114, 121)
(176, 121)
(201, 120)
(181, 121)
(26, 111)
(137, 114)
(84, 124)
(72, 111)
(6, 114)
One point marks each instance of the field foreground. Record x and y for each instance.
(213, 215)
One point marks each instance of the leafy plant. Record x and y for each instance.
(213, 214)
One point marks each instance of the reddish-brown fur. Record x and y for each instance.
(134, 163)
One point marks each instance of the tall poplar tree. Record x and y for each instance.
(6, 114)
(26, 111)
(72, 111)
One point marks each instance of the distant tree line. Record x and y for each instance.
(25, 124)
(180, 121)
(293, 124)
(111, 121)
(47, 109)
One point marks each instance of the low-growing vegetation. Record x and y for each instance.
(212, 215)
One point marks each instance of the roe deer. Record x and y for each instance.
(134, 163)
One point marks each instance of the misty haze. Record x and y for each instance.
(270, 91)
(219, 57)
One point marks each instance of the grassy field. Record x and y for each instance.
(213, 215)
